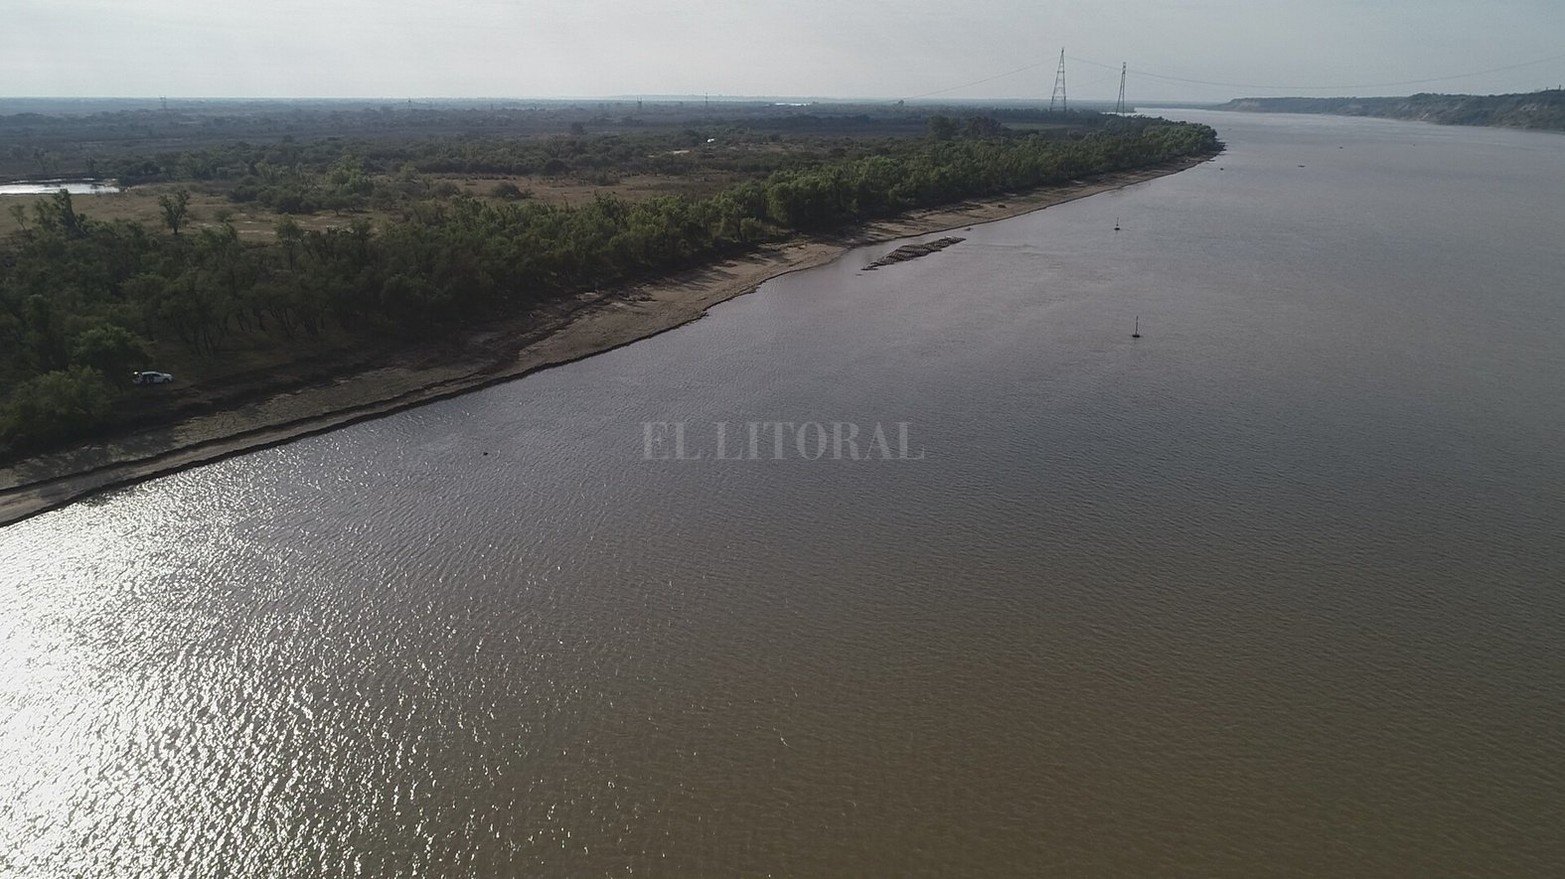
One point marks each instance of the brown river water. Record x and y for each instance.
(1274, 590)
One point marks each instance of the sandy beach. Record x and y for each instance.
(593, 323)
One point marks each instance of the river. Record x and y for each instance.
(49, 187)
(1272, 590)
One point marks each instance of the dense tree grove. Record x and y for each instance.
(83, 302)
(256, 166)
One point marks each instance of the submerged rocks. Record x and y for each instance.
(913, 251)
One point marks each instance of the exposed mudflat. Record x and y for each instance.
(914, 251)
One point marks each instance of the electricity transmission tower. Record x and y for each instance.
(1119, 105)
(1059, 87)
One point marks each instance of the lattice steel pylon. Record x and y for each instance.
(1059, 87)
(1119, 105)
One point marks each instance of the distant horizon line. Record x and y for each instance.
(699, 98)
(480, 98)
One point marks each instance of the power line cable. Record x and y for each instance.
(979, 81)
(1000, 76)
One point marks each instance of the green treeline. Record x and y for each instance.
(339, 175)
(83, 302)
(1541, 110)
(336, 173)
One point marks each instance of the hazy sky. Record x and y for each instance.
(835, 48)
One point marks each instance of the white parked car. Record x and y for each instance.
(150, 377)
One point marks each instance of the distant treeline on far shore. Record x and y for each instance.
(1541, 110)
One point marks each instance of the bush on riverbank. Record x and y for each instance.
(54, 407)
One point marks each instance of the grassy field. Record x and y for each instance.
(197, 149)
(211, 206)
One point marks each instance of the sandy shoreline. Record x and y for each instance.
(596, 322)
